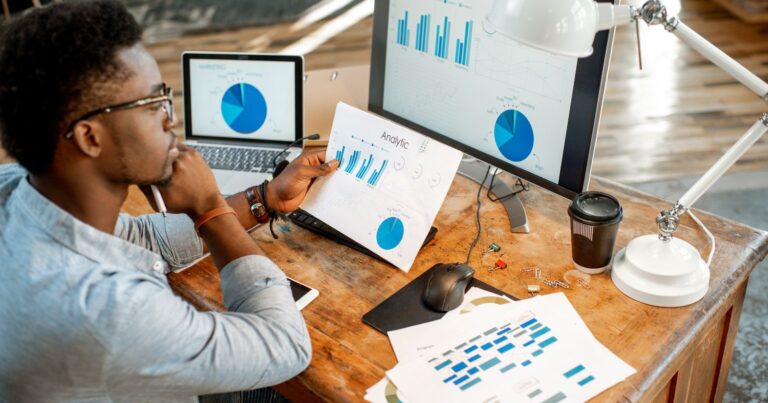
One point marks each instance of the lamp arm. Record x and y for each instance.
(718, 57)
(610, 15)
(668, 220)
(726, 161)
(653, 12)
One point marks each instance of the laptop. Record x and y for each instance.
(240, 111)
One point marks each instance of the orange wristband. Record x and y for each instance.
(211, 214)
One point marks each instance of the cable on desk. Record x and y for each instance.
(477, 237)
(709, 235)
(518, 183)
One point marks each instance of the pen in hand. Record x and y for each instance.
(159, 201)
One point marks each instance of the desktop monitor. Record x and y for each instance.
(438, 69)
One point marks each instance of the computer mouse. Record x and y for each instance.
(446, 286)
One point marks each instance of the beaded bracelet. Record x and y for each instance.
(272, 214)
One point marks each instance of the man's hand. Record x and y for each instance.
(286, 192)
(192, 189)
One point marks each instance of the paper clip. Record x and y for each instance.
(577, 277)
(532, 269)
(500, 264)
(494, 247)
(555, 283)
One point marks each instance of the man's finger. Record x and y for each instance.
(313, 157)
(313, 171)
(321, 156)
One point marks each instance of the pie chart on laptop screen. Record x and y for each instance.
(244, 108)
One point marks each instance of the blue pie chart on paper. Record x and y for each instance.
(390, 233)
(514, 135)
(244, 108)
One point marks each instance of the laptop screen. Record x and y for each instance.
(243, 97)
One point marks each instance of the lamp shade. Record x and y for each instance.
(564, 27)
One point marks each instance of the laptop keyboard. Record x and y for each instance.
(238, 159)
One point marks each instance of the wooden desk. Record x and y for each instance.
(681, 354)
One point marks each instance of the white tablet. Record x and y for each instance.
(302, 294)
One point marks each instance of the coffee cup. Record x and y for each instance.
(595, 219)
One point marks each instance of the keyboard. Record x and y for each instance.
(312, 223)
(238, 159)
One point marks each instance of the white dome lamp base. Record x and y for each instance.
(660, 270)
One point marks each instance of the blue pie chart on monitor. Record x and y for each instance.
(514, 135)
(390, 233)
(244, 108)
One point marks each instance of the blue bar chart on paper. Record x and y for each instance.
(374, 179)
(340, 155)
(365, 167)
(535, 350)
(443, 39)
(353, 162)
(466, 365)
(463, 47)
(374, 198)
(422, 33)
(403, 33)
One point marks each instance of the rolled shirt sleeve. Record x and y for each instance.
(172, 237)
(161, 345)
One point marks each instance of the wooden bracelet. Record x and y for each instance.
(211, 214)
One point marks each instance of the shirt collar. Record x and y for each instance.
(83, 238)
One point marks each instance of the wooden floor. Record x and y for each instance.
(673, 119)
(676, 117)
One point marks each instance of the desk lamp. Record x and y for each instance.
(654, 269)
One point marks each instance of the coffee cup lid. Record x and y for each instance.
(596, 206)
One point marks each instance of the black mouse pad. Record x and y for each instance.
(405, 307)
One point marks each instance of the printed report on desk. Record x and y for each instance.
(389, 186)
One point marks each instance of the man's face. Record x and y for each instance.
(139, 147)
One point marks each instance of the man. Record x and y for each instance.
(86, 313)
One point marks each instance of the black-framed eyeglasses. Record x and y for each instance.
(165, 98)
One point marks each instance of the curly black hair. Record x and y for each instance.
(54, 64)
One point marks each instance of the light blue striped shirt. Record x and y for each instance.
(89, 316)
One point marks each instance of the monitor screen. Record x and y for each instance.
(439, 69)
(242, 97)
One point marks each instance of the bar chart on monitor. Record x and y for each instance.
(442, 53)
(442, 35)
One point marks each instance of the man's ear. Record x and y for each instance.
(88, 136)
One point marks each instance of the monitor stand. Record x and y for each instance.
(475, 170)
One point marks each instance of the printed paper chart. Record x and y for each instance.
(518, 355)
(389, 186)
